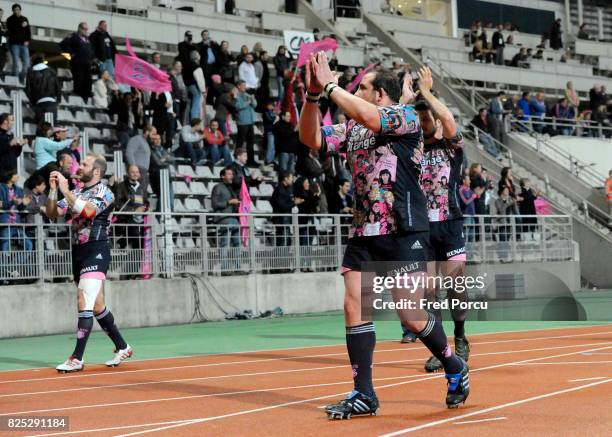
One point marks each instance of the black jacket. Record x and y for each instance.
(19, 30)
(281, 63)
(223, 106)
(184, 53)
(286, 139)
(8, 153)
(498, 40)
(202, 48)
(132, 198)
(79, 48)
(335, 204)
(282, 199)
(42, 83)
(103, 45)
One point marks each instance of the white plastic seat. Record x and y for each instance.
(192, 204)
(199, 189)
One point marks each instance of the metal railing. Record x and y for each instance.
(166, 245)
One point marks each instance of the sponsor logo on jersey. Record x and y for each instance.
(89, 269)
(417, 245)
(455, 252)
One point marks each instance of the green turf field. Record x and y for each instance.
(220, 337)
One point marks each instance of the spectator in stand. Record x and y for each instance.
(341, 202)
(43, 89)
(244, 51)
(269, 118)
(481, 121)
(257, 50)
(194, 80)
(191, 141)
(499, 44)
(208, 50)
(101, 88)
(521, 59)
(263, 76)
(185, 48)
(347, 77)
(138, 152)
(525, 106)
(286, 141)
(215, 89)
(129, 119)
(467, 199)
(478, 182)
(601, 118)
(63, 164)
(230, 6)
(156, 59)
(34, 192)
(597, 96)
(539, 54)
(3, 43)
(19, 38)
(225, 200)
(566, 117)
(215, 144)
(246, 73)
(175, 93)
(283, 202)
(45, 149)
(311, 194)
(556, 42)
(81, 53)
(225, 61)
(312, 167)
(507, 180)
(241, 171)
(161, 104)
(245, 120)
(481, 53)
(131, 196)
(160, 160)
(281, 64)
(181, 92)
(225, 108)
(496, 116)
(571, 95)
(582, 33)
(104, 48)
(12, 203)
(538, 112)
(529, 195)
(10, 147)
(505, 205)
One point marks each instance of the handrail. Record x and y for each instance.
(469, 95)
(600, 215)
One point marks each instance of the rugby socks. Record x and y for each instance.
(107, 323)
(434, 338)
(83, 330)
(360, 342)
(458, 314)
(459, 328)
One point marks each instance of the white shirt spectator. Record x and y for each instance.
(246, 72)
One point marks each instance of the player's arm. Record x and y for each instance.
(79, 206)
(354, 107)
(309, 123)
(440, 111)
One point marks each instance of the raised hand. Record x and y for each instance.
(425, 79)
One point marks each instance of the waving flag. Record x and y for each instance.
(244, 208)
(131, 70)
(355, 83)
(309, 48)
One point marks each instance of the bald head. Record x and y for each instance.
(133, 173)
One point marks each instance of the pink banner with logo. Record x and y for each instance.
(309, 48)
(145, 269)
(133, 71)
(244, 209)
(355, 83)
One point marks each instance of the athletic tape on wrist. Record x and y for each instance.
(79, 206)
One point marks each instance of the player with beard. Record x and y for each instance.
(443, 157)
(380, 134)
(90, 208)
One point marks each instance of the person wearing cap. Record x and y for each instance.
(45, 149)
(43, 89)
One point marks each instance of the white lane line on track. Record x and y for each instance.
(492, 419)
(494, 408)
(238, 413)
(267, 360)
(518, 331)
(587, 379)
(309, 369)
(570, 362)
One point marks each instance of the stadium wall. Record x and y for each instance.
(42, 309)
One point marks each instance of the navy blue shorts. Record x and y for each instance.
(94, 258)
(447, 239)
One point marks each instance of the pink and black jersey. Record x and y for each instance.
(86, 230)
(440, 177)
(386, 168)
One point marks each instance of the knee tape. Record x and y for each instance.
(91, 288)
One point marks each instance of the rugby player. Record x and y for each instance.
(90, 208)
(440, 177)
(380, 135)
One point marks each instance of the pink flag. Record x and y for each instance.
(327, 120)
(355, 83)
(542, 206)
(244, 209)
(309, 48)
(131, 70)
